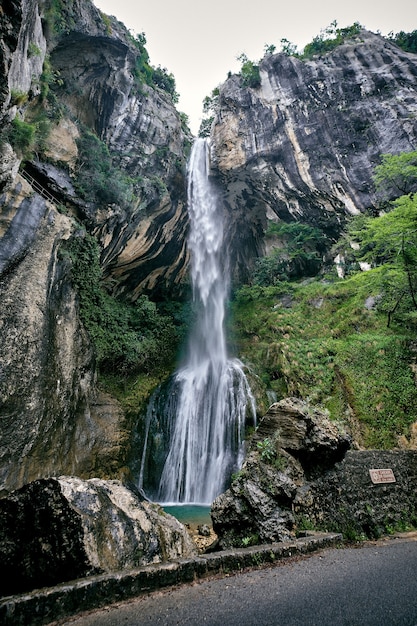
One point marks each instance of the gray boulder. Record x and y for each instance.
(292, 443)
(58, 529)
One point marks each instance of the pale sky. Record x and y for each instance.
(198, 42)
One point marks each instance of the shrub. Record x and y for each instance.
(406, 41)
(22, 137)
(94, 171)
(18, 98)
(329, 38)
(299, 253)
(249, 72)
(126, 336)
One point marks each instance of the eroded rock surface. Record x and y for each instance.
(303, 145)
(52, 420)
(302, 473)
(59, 529)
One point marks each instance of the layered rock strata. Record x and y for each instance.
(303, 145)
(68, 64)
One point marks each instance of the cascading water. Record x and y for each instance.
(209, 395)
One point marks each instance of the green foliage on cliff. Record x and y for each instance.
(406, 41)
(98, 180)
(346, 344)
(210, 104)
(390, 242)
(22, 137)
(396, 174)
(329, 343)
(59, 16)
(249, 72)
(329, 38)
(298, 253)
(128, 337)
(145, 73)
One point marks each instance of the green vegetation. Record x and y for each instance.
(268, 451)
(406, 41)
(18, 98)
(29, 135)
(22, 137)
(321, 343)
(209, 109)
(249, 72)
(396, 174)
(148, 75)
(344, 344)
(94, 171)
(329, 38)
(299, 253)
(389, 242)
(59, 16)
(33, 50)
(251, 540)
(128, 337)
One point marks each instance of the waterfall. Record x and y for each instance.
(208, 397)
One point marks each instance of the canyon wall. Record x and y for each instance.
(303, 144)
(70, 68)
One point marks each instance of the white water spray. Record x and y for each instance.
(210, 394)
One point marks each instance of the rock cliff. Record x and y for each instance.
(303, 144)
(69, 73)
(300, 474)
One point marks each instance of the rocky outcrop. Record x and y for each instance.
(59, 529)
(303, 145)
(291, 443)
(90, 61)
(300, 474)
(143, 243)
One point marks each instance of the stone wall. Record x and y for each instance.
(346, 498)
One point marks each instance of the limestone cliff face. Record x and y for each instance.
(303, 145)
(53, 421)
(143, 245)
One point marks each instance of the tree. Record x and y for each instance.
(391, 240)
(329, 38)
(299, 254)
(288, 48)
(397, 174)
(406, 41)
(210, 104)
(249, 71)
(165, 81)
(269, 49)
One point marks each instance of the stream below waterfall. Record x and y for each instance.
(205, 406)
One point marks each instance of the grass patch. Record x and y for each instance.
(328, 342)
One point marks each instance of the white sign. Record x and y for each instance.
(379, 476)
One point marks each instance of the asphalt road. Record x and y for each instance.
(374, 585)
